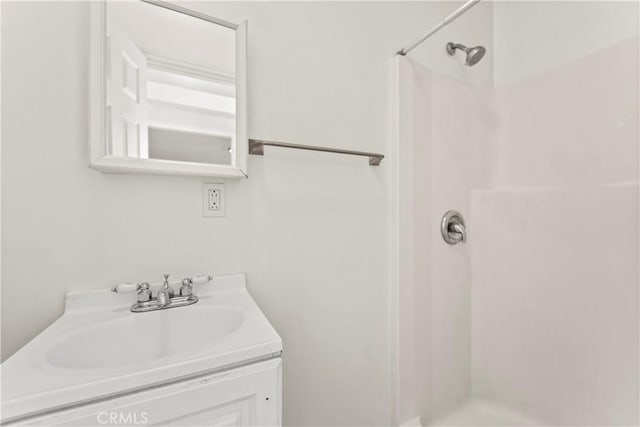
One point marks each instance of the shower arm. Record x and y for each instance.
(462, 9)
(455, 46)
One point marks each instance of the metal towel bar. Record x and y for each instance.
(256, 146)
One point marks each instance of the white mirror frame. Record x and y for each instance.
(101, 160)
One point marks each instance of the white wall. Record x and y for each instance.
(533, 36)
(310, 229)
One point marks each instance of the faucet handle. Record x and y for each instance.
(457, 232)
(143, 290)
(187, 283)
(186, 289)
(125, 288)
(200, 280)
(453, 228)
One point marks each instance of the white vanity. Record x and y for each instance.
(215, 362)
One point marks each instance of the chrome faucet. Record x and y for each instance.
(165, 297)
(165, 294)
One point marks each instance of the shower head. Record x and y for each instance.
(474, 54)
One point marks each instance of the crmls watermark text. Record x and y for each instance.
(125, 418)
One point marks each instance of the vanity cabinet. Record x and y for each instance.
(216, 362)
(246, 396)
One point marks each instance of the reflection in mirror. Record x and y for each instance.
(170, 93)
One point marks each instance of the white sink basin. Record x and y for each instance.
(99, 348)
(141, 338)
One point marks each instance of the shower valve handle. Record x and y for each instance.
(453, 228)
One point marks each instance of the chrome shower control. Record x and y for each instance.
(453, 228)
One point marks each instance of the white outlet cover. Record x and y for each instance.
(213, 200)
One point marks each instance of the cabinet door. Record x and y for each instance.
(247, 396)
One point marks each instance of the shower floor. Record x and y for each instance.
(480, 412)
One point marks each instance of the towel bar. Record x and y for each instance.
(256, 146)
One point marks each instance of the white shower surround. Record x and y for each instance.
(575, 305)
(433, 358)
(545, 294)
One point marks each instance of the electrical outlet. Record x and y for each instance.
(213, 200)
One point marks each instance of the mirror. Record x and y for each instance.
(168, 88)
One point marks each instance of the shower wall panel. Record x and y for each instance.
(440, 119)
(573, 125)
(555, 257)
(413, 189)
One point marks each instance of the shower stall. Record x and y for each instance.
(534, 318)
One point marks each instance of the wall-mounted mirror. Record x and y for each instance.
(168, 91)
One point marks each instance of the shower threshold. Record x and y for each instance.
(482, 412)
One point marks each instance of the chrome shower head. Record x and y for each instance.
(474, 54)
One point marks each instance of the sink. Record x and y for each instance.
(98, 348)
(140, 338)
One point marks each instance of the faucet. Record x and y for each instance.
(166, 296)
